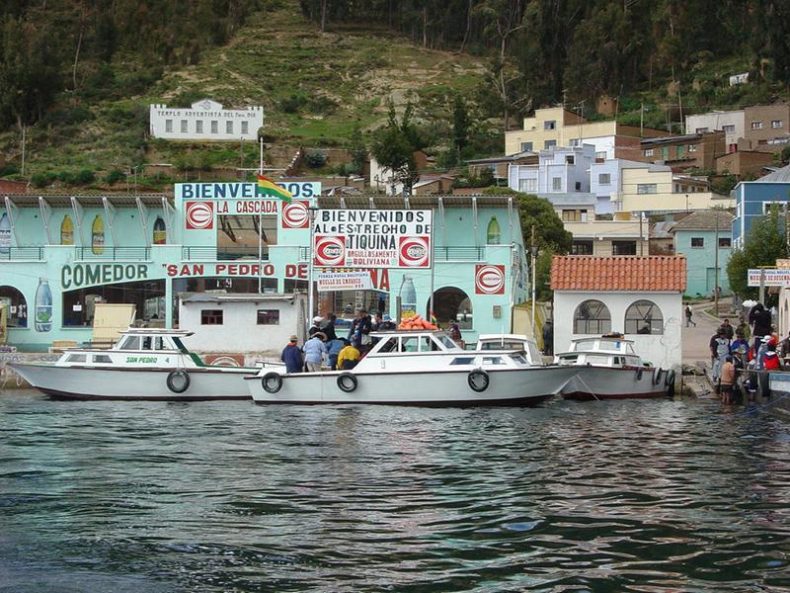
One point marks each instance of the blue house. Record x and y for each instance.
(753, 199)
(700, 236)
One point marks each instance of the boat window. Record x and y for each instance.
(427, 344)
(570, 359)
(447, 343)
(583, 345)
(592, 317)
(76, 358)
(130, 343)
(519, 358)
(597, 360)
(644, 317)
(534, 353)
(463, 360)
(102, 359)
(492, 360)
(409, 344)
(158, 343)
(389, 345)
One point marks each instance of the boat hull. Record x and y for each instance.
(508, 387)
(596, 383)
(205, 383)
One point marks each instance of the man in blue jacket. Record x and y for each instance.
(292, 356)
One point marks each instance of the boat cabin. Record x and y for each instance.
(519, 342)
(611, 350)
(142, 347)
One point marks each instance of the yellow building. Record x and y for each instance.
(654, 188)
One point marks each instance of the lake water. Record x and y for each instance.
(630, 496)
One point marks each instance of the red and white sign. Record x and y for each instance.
(330, 251)
(199, 215)
(489, 279)
(295, 215)
(373, 238)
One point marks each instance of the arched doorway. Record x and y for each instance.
(450, 303)
(16, 306)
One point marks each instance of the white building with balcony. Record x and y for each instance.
(205, 120)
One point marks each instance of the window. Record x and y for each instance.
(214, 126)
(528, 186)
(623, 247)
(776, 123)
(604, 179)
(757, 125)
(646, 188)
(168, 125)
(556, 184)
(665, 153)
(211, 317)
(526, 147)
(701, 130)
(644, 317)
(569, 160)
(693, 147)
(680, 151)
(199, 127)
(268, 317)
(245, 127)
(600, 156)
(592, 317)
(184, 128)
(464, 360)
(648, 152)
(550, 125)
(102, 359)
(728, 129)
(575, 142)
(578, 186)
(76, 358)
(130, 343)
(549, 144)
(725, 242)
(571, 216)
(698, 242)
(228, 127)
(582, 248)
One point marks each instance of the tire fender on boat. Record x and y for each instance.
(347, 382)
(669, 382)
(272, 382)
(478, 380)
(639, 373)
(178, 381)
(657, 375)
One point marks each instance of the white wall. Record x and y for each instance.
(244, 123)
(716, 120)
(664, 350)
(240, 331)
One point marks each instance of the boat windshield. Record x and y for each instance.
(502, 345)
(129, 343)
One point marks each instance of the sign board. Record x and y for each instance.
(772, 277)
(243, 191)
(328, 281)
(489, 279)
(372, 239)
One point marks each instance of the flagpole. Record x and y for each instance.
(311, 210)
(260, 232)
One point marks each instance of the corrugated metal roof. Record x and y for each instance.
(705, 220)
(779, 176)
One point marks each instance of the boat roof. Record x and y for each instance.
(504, 337)
(157, 331)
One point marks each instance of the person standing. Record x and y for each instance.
(719, 349)
(727, 328)
(333, 349)
(727, 380)
(689, 313)
(349, 356)
(292, 356)
(548, 338)
(316, 327)
(314, 352)
(328, 327)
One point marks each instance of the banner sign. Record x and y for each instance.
(243, 191)
(328, 281)
(772, 277)
(372, 239)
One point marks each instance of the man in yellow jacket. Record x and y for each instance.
(348, 357)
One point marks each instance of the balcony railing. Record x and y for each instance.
(140, 253)
(222, 253)
(21, 254)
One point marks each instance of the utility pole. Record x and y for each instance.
(533, 256)
(716, 266)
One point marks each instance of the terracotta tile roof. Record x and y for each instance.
(664, 273)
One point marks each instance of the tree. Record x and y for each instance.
(764, 244)
(460, 125)
(395, 144)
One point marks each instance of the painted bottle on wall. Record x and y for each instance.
(160, 231)
(5, 234)
(43, 315)
(67, 231)
(493, 234)
(97, 236)
(408, 298)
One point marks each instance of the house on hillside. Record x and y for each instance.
(628, 236)
(205, 120)
(629, 294)
(691, 151)
(705, 238)
(753, 199)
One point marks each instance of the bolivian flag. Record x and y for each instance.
(267, 187)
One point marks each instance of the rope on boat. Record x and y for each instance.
(584, 384)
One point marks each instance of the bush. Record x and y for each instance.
(114, 177)
(315, 159)
(84, 177)
(42, 179)
(9, 169)
(293, 103)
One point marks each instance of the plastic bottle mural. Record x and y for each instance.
(160, 231)
(67, 231)
(493, 234)
(5, 234)
(408, 298)
(97, 236)
(43, 315)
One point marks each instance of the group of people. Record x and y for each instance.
(323, 345)
(751, 345)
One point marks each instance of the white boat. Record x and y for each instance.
(145, 364)
(609, 368)
(416, 367)
(526, 345)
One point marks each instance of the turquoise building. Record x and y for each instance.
(699, 236)
(60, 255)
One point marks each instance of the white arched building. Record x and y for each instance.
(641, 297)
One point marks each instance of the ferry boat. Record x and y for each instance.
(416, 367)
(145, 364)
(609, 368)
